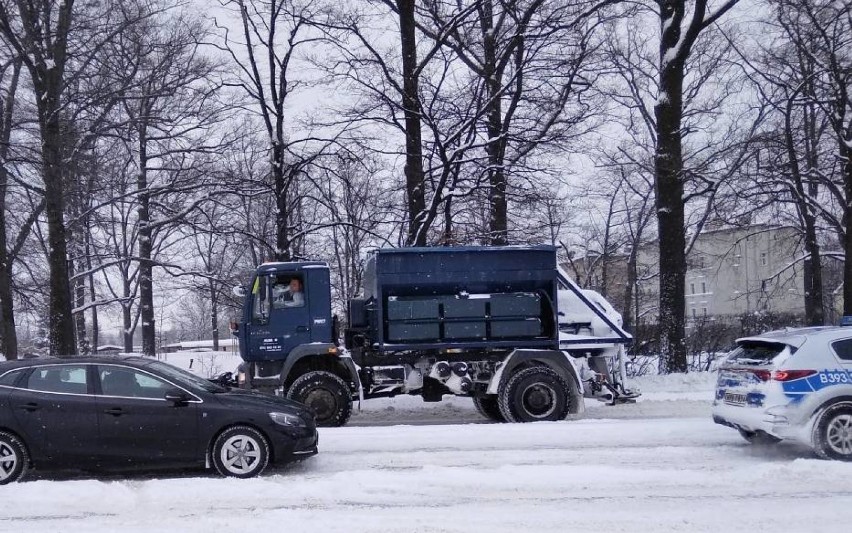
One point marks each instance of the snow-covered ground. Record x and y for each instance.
(657, 465)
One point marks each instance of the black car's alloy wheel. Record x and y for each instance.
(535, 394)
(13, 458)
(240, 451)
(326, 394)
(833, 433)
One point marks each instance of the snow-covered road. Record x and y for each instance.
(661, 465)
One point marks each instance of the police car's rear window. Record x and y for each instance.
(843, 349)
(755, 353)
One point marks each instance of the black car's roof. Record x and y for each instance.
(24, 363)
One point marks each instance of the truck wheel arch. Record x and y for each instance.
(558, 361)
(310, 357)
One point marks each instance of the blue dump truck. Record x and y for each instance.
(502, 325)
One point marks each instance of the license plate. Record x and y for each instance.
(735, 398)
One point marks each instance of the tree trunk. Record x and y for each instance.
(146, 267)
(814, 311)
(83, 346)
(92, 292)
(214, 316)
(498, 226)
(630, 291)
(60, 319)
(8, 333)
(846, 156)
(282, 223)
(414, 176)
(668, 162)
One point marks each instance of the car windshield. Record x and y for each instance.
(186, 378)
(756, 353)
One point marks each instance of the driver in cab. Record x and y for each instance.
(289, 295)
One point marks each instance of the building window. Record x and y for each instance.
(694, 313)
(704, 310)
(703, 288)
(763, 258)
(692, 288)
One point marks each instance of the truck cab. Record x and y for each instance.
(288, 305)
(288, 340)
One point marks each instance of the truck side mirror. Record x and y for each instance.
(239, 291)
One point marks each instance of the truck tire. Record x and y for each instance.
(535, 394)
(13, 458)
(488, 407)
(833, 433)
(326, 394)
(240, 451)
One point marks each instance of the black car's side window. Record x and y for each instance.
(64, 379)
(128, 383)
(843, 349)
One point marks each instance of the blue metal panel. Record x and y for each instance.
(450, 271)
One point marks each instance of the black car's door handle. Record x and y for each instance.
(302, 328)
(30, 407)
(115, 411)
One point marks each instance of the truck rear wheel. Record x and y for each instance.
(535, 394)
(326, 394)
(488, 407)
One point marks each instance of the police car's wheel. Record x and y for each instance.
(833, 433)
(759, 438)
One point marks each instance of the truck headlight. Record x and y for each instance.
(285, 419)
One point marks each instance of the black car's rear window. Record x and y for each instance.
(757, 353)
(8, 379)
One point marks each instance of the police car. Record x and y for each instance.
(793, 384)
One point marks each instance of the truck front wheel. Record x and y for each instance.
(534, 394)
(326, 394)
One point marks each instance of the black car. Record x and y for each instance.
(105, 413)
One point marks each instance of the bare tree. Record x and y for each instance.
(265, 54)
(680, 29)
(58, 42)
(532, 62)
(10, 71)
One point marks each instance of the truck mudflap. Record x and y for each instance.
(607, 385)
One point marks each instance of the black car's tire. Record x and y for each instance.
(488, 407)
(326, 394)
(14, 459)
(535, 394)
(833, 433)
(759, 438)
(240, 451)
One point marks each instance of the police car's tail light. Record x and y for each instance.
(790, 375)
(762, 375)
